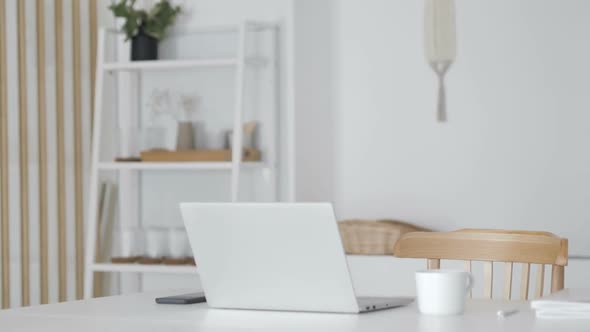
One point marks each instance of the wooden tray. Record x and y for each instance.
(196, 155)
(153, 261)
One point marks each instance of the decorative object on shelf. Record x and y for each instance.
(185, 137)
(440, 44)
(144, 47)
(160, 137)
(187, 104)
(127, 144)
(127, 159)
(197, 155)
(129, 246)
(145, 28)
(174, 115)
(160, 106)
(162, 133)
(155, 245)
(178, 246)
(248, 132)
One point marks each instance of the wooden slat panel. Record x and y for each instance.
(524, 281)
(433, 264)
(23, 153)
(468, 268)
(540, 281)
(508, 280)
(59, 111)
(4, 176)
(42, 138)
(78, 157)
(93, 19)
(488, 279)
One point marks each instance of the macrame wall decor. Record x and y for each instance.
(440, 44)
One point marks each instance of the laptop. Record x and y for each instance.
(274, 256)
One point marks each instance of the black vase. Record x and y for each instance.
(144, 47)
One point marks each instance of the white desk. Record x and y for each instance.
(138, 312)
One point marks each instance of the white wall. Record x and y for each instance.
(511, 155)
(314, 98)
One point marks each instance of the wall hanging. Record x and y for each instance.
(440, 44)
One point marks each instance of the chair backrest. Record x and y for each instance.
(488, 245)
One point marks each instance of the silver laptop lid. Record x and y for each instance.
(273, 256)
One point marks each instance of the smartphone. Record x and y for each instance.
(182, 299)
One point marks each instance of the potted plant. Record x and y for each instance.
(145, 28)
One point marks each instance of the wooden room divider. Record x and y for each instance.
(26, 188)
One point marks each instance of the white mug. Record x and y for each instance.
(442, 292)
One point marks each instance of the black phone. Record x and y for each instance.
(182, 299)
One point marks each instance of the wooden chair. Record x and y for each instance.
(490, 246)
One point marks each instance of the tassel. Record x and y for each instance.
(441, 68)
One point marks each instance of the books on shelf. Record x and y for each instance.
(571, 303)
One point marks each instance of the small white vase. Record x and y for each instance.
(156, 242)
(178, 244)
(185, 136)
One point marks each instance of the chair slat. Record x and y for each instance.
(433, 264)
(557, 278)
(540, 281)
(468, 269)
(488, 279)
(508, 280)
(524, 281)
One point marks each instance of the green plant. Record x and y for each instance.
(153, 22)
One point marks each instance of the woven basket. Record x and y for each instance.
(373, 237)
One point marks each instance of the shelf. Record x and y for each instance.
(178, 64)
(183, 30)
(189, 166)
(141, 268)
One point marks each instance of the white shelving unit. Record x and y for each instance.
(235, 166)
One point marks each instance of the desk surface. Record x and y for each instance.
(138, 312)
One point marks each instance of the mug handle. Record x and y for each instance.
(470, 281)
